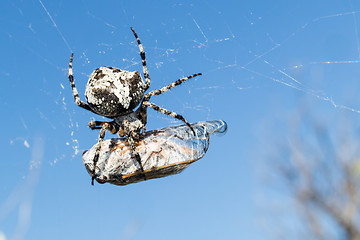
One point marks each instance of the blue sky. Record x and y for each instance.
(259, 59)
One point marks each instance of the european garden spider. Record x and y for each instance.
(115, 93)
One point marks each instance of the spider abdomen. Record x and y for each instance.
(113, 92)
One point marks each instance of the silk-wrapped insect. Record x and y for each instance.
(163, 152)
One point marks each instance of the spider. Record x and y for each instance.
(115, 93)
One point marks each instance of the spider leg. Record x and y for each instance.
(104, 127)
(99, 124)
(167, 112)
(143, 129)
(75, 91)
(136, 153)
(130, 137)
(168, 87)
(143, 59)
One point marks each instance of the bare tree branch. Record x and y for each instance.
(317, 166)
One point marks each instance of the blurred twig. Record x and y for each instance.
(317, 167)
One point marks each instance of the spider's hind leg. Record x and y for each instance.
(75, 91)
(143, 59)
(168, 87)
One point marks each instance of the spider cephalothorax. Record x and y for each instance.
(115, 93)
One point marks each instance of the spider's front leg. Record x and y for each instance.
(141, 113)
(169, 113)
(105, 126)
(113, 128)
(132, 135)
(145, 103)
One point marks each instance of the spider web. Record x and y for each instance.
(255, 60)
